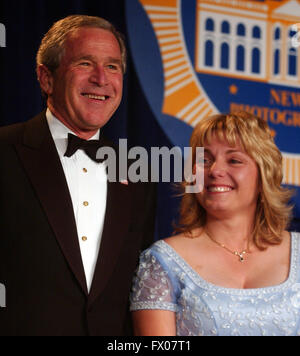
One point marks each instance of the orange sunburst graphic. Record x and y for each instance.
(184, 98)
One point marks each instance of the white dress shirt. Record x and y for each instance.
(87, 182)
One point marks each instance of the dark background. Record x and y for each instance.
(26, 22)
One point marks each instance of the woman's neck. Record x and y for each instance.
(235, 233)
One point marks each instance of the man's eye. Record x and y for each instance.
(84, 64)
(113, 67)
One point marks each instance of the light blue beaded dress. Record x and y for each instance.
(165, 281)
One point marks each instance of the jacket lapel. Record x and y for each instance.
(42, 164)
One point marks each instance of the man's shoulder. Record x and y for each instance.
(11, 134)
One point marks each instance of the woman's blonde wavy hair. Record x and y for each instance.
(273, 213)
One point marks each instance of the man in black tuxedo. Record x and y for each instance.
(70, 237)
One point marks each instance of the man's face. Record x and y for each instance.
(87, 86)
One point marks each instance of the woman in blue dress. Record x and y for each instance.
(233, 268)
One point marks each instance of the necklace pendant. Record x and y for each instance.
(240, 255)
(241, 258)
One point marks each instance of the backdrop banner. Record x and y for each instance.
(195, 58)
(186, 59)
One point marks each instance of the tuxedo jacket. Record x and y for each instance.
(40, 260)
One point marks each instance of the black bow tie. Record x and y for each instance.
(89, 146)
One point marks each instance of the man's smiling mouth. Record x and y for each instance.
(96, 97)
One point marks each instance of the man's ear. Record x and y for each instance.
(45, 78)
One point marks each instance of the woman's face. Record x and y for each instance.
(231, 180)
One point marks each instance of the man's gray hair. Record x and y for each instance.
(52, 45)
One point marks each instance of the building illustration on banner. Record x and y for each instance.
(219, 56)
(248, 42)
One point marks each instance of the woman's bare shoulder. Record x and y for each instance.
(181, 241)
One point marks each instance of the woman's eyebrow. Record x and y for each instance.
(231, 150)
(235, 151)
